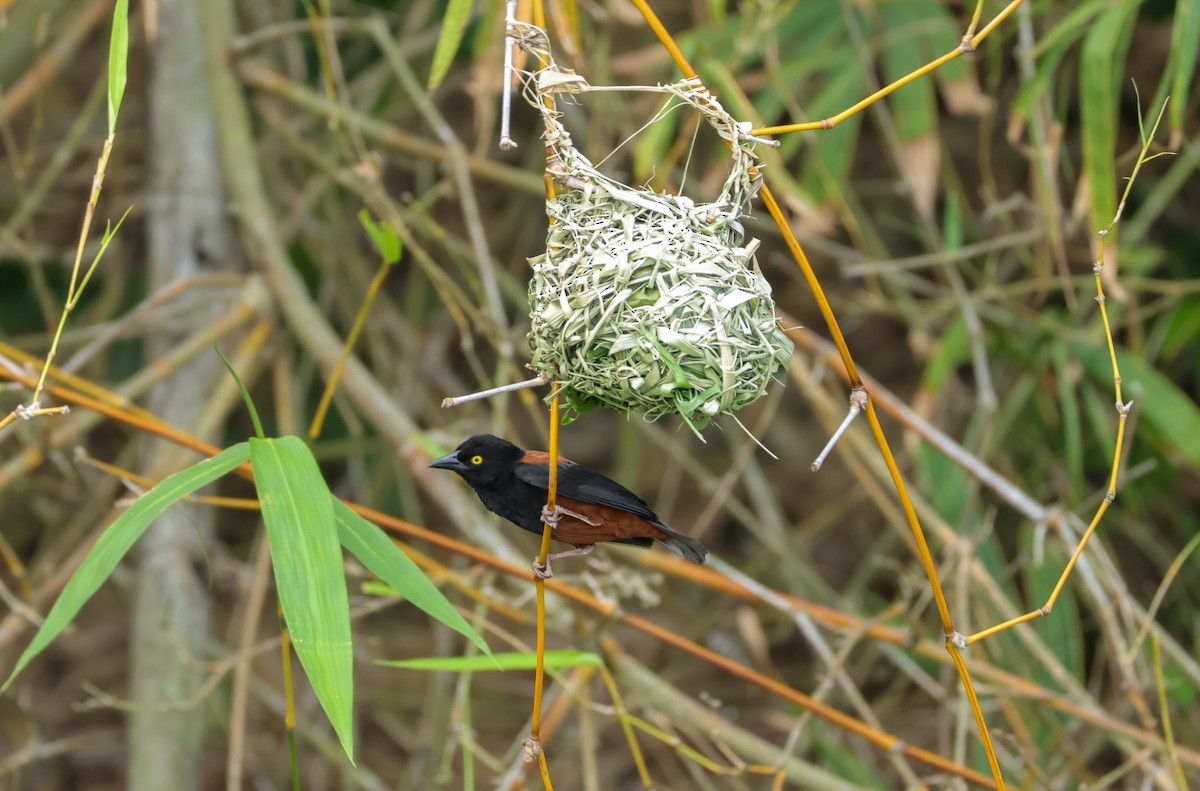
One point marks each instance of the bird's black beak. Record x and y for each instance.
(450, 462)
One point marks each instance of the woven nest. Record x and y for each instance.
(653, 303)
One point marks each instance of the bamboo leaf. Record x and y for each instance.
(116, 540)
(118, 57)
(1049, 52)
(1185, 47)
(1101, 63)
(385, 560)
(454, 26)
(1068, 396)
(1066, 639)
(297, 509)
(913, 106)
(1160, 402)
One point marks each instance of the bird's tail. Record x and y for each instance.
(682, 545)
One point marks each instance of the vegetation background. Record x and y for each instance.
(953, 226)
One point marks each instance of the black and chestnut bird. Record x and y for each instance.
(589, 508)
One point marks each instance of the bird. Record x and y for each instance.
(589, 507)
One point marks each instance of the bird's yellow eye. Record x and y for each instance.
(477, 460)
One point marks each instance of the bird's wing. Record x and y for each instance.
(579, 483)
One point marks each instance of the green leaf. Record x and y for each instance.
(1185, 44)
(1160, 402)
(716, 12)
(258, 429)
(1049, 51)
(109, 234)
(1068, 396)
(118, 538)
(297, 509)
(385, 560)
(118, 57)
(1100, 65)
(384, 237)
(1065, 640)
(948, 485)
(508, 660)
(909, 48)
(826, 170)
(454, 25)
(952, 350)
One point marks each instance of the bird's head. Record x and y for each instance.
(482, 459)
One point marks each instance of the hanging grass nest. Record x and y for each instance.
(652, 303)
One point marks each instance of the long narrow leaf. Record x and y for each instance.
(118, 57)
(297, 510)
(118, 538)
(454, 25)
(1185, 44)
(377, 552)
(1162, 404)
(1100, 65)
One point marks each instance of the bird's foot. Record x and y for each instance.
(551, 516)
(542, 571)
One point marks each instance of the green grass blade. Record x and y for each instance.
(1101, 63)
(297, 510)
(118, 57)
(1185, 44)
(1072, 424)
(508, 660)
(1066, 639)
(258, 429)
(118, 538)
(1161, 404)
(914, 106)
(454, 25)
(385, 560)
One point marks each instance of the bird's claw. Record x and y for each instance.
(552, 516)
(542, 571)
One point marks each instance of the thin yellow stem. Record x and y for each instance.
(535, 730)
(975, 17)
(15, 567)
(1123, 410)
(969, 44)
(910, 514)
(1164, 714)
(318, 421)
(1046, 608)
(1112, 348)
(1062, 579)
(89, 212)
(776, 212)
(544, 769)
(285, 646)
(810, 277)
(973, 699)
(665, 38)
(1029, 616)
(623, 715)
(540, 584)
